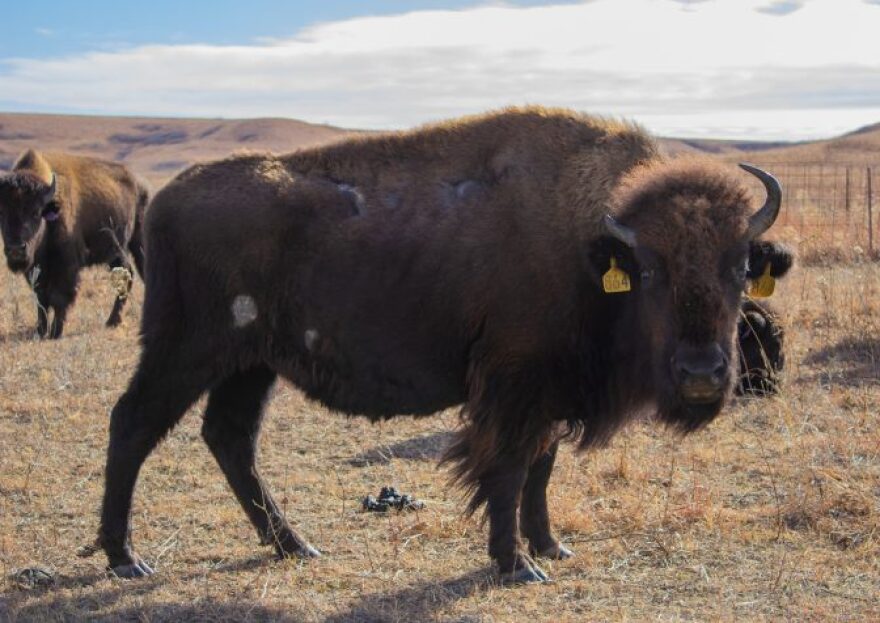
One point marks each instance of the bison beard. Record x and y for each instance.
(456, 264)
(60, 213)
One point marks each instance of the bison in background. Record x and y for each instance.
(60, 213)
(761, 356)
(546, 269)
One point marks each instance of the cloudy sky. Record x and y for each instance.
(764, 69)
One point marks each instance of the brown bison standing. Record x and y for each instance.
(460, 263)
(59, 213)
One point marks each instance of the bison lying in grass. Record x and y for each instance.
(545, 269)
(761, 357)
(59, 213)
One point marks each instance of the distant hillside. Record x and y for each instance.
(718, 147)
(158, 148)
(862, 146)
(155, 148)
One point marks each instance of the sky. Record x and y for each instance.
(740, 69)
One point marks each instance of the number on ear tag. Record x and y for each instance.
(615, 280)
(763, 286)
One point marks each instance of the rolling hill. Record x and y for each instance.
(155, 148)
(158, 148)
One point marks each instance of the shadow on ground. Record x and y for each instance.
(424, 448)
(851, 361)
(415, 603)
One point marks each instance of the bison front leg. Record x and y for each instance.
(502, 488)
(60, 295)
(231, 428)
(58, 318)
(534, 517)
(42, 313)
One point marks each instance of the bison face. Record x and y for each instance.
(685, 238)
(26, 202)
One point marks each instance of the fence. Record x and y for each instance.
(828, 209)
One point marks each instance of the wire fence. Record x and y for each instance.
(829, 210)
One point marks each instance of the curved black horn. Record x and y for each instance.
(761, 220)
(623, 233)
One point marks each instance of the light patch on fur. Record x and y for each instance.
(468, 189)
(359, 203)
(121, 278)
(274, 172)
(311, 338)
(244, 311)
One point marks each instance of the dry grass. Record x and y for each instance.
(772, 513)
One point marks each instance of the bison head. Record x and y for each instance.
(26, 202)
(682, 246)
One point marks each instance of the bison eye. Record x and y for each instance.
(647, 275)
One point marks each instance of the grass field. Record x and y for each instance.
(772, 513)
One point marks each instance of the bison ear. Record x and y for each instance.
(600, 254)
(763, 253)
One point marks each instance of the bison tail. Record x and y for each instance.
(136, 242)
(162, 313)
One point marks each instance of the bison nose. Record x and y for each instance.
(16, 252)
(701, 372)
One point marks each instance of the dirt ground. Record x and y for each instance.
(772, 513)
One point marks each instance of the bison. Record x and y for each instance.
(761, 339)
(60, 213)
(548, 270)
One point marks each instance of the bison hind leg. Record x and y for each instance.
(231, 429)
(164, 386)
(122, 280)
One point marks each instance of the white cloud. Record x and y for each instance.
(773, 69)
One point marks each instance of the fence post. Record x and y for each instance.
(846, 192)
(870, 215)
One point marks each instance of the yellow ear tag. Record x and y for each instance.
(615, 280)
(764, 285)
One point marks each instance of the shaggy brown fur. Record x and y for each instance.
(405, 273)
(91, 215)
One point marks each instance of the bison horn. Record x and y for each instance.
(623, 233)
(761, 220)
(49, 193)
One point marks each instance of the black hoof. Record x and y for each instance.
(139, 569)
(303, 551)
(526, 575)
(556, 552)
(113, 322)
(308, 552)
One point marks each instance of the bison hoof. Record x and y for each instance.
(113, 321)
(302, 551)
(526, 575)
(137, 569)
(556, 552)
